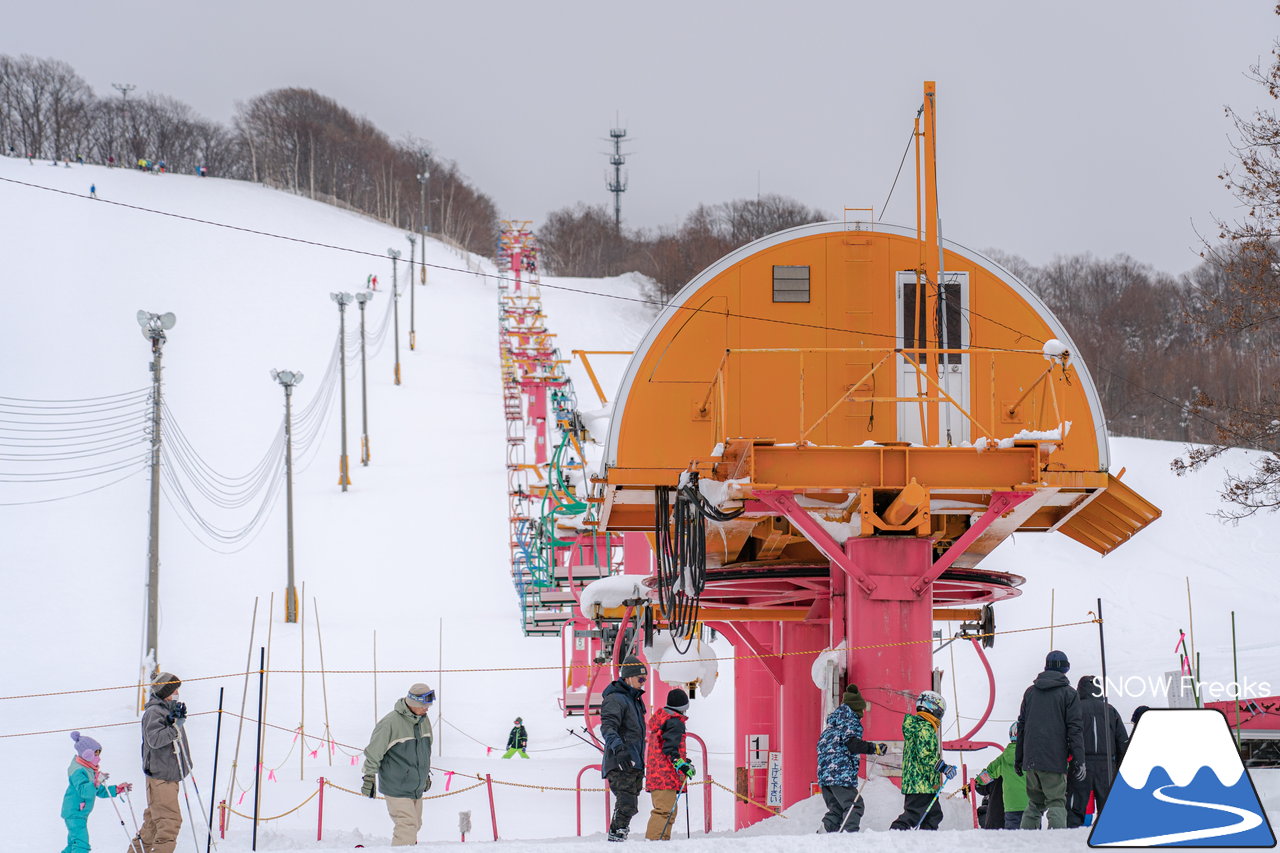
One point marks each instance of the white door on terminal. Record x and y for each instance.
(952, 427)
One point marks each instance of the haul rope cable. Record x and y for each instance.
(540, 668)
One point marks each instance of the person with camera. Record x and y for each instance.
(166, 761)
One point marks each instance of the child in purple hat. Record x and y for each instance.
(85, 783)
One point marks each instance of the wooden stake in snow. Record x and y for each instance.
(324, 684)
(244, 696)
(302, 684)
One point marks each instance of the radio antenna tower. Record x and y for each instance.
(619, 184)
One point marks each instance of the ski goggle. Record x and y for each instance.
(425, 698)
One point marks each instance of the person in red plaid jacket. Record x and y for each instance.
(667, 769)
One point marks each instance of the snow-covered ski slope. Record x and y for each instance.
(417, 548)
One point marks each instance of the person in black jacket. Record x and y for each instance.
(622, 727)
(517, 740)
(1049, 743)
(1105, 741)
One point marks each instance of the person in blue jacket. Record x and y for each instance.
(840, 751)
(85, 784)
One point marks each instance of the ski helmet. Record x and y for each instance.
(932, 702)
(1013, 730)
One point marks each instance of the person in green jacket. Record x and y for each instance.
(1013, 785)
(397, 762)
(85, 784)
(922, 765)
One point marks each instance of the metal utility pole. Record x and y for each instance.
(422, 221)
(619, 184)
(394, 254)
(413, 338)
(153, 328)
(362, 298)
(343, 300)
(289, 379)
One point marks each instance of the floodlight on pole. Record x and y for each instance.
(153, 327)
(394, 254)
(289, 379)
(343, 300)
(363, 297)
(413, 336)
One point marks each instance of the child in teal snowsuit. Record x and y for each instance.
(84, 785)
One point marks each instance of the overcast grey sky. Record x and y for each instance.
(1064, 127)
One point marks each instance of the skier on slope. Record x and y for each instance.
(1100, 724)
(517, 740)
(840, 751)
(85, 784)
(1049, 743)
(622, 727)
(667, 766)
(166, 760)
(922, 764)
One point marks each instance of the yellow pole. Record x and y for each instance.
(932, 248)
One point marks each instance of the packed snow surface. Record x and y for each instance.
(410, 567)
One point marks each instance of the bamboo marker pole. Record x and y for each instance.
(375, 676)
(266, 676)
(302, 682)
(440, 690)
(244, 696)
(324, 685)
(1191, 633)
(1053, 594)
(1235, 667)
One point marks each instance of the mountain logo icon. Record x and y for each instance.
(1182, 784)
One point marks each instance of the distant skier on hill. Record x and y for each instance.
(1101, 724)
(517, 740)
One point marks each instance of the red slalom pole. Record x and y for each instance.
(493, 812)
(320, 816)
(222, 819)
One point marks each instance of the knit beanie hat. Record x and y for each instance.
(85, 747)
(1057, 661)
(678, 701)
(631, 667)
(165, 684)
(419, 696)
(854, 699)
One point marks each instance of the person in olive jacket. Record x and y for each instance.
(397, 762)
(1049, 744)
(622, 728)
(1105, 741)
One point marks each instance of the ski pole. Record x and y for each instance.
(858, 793)
(120, 817)
(671, 815)
(927, 810)
(177, 751)
(133, 816)
(183, 759)
(688, 833)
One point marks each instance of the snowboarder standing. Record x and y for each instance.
(85, 784)
(166, 760)
(1100, 723)
(840, 751)
(622, 727)
(1049, 743)
(922, 765)
(667, 768)
(517, 740)
(397, 762)
(93, 190)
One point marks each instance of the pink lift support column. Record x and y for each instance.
(801, 717)
(757, 687)
(892, 624)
